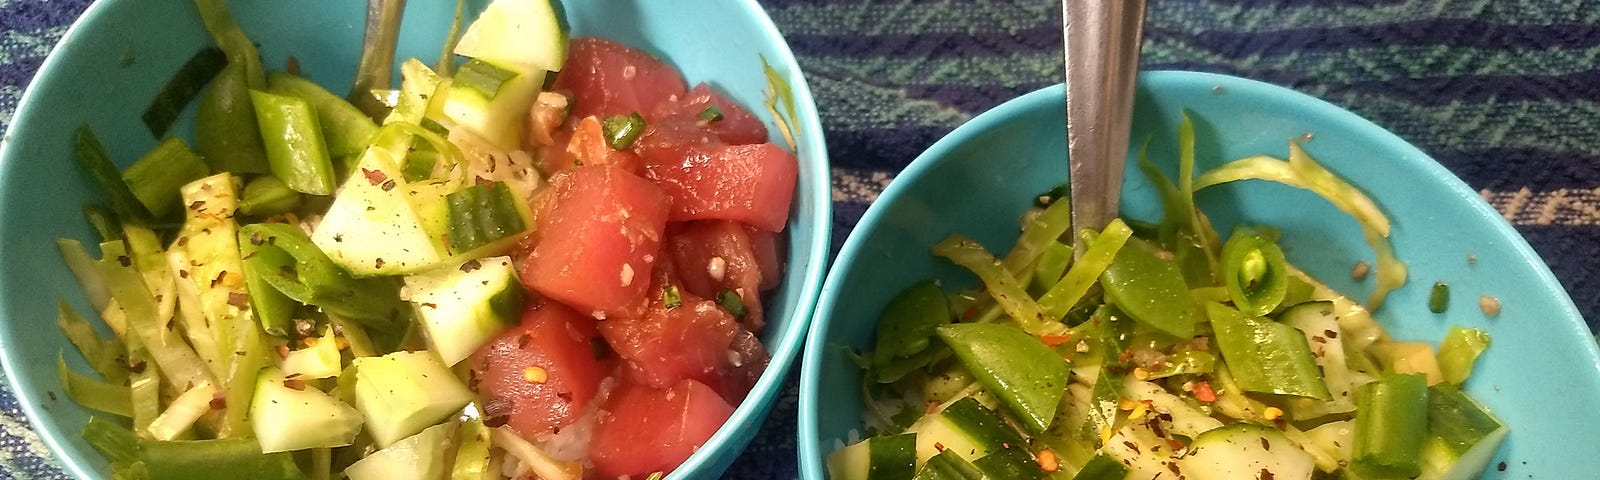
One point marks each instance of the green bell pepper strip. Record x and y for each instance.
(101, 353)
(1038, 234)
(232, 40)
(266, 196)
(1150, 289)
(1029, 377)
(115, 399)
(1301, 171)
(155, 178)
(296, 149)
(346, 128)
(314, 279)
(1050, 267)
(273, 309)
(1097, 256)
(1459, 350)
(225, 130)
(1004, 288)
(92, 157)
(1254, 272)
(906, 329)
(1391, 426)
(1266, 356)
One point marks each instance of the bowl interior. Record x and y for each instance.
(978, 180)
(113, 61)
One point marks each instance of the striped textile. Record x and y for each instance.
(1505, 93)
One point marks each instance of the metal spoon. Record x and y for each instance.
(1102, 53)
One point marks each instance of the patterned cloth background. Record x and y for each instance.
(1505, 93)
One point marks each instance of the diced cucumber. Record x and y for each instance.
(319, 360)
(1321, 328)
(404, 392)
(417, 457)
(519, 32)
(1462, 436)
(295, 418)
(486, 219)
(498, 116)
(966, 427)
(1245, 451)
(948, 466)
(417, 83)
(1135, 447)
(373, 228)
(891, 457)
(463, 305)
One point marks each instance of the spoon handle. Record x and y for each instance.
(1102, 63)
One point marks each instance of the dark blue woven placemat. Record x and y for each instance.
(1506, 94)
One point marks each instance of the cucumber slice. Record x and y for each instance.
(1245, 451)
(296, 418)
(1187, 420)
(1102, 467)
(486, 219)
(1462, 436)
(965, 427)
(404, 392)
(892, 457)
(498, 116)
(472, 453)
(463, 305)
(418, 457)
(948, 466)
(373, 228)
(1011, 463)
(519, 32)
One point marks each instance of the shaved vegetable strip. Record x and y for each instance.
(1002, 286)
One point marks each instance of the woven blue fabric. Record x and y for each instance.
(1505, 93)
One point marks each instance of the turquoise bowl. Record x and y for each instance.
(1541, 376)
(111, 63)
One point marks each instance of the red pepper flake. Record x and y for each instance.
(374, 177)
(1053, 339)
(938, 446)
(220, 276)
(969, 313)
(1265, 475)
(124, 260)
(294, 384)
(471, 265)
(1131, 446)
(283, 351)
(183, 240)
(195, 205)
(1203, 392)
(1266, 445)
(219, 401)
(1330, 333)
(1047, 461)
(238, 299)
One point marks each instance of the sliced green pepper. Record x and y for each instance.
(1150, 288)
(1052, 265)
(1266, 356)
(1187, 362)
(906, 329)
(225, 131)
(1097, 256)
(1391, 426)
(1004, 288)
(1254, 271)
(296, 150)
(1038, 233)
(1028, 376)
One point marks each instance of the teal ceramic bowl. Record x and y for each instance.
(1541, 376)
(112, 62)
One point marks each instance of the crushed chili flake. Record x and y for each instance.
(294, 384)
(471, 265)
(238, 299)
(1047, 461)
(1203, 392)
(1053, 339)
(374, 177)
(283, 351)
(1265, 474)
(219, 401)
(938, 446)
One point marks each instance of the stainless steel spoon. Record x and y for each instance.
(1102, 53)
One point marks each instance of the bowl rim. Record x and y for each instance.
(813, 458)
(748, 415)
